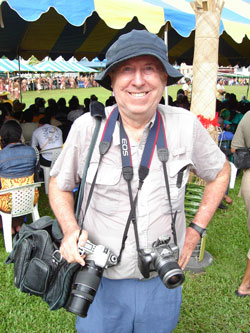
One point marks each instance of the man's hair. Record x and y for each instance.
(44, 120)
(93, 98)
(28, 115)
(74, 103)
(61, 102)
(10, 132)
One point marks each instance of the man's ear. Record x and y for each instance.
(165, 77)
(110, 77)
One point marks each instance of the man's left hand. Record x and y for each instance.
(191, 240)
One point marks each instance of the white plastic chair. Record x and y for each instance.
(46, 170)
(22, 204)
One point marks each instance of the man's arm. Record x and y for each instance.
(213, 194)
(62, 204)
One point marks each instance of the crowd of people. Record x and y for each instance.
(38, 83)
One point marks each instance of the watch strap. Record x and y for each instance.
(200, 230)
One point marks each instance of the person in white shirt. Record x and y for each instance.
(187, 88)
(46, 136)
(220, 90)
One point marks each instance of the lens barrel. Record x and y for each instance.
(85, 285)
(170, 273)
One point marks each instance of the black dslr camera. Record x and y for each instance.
(87, 279)
(162, 257)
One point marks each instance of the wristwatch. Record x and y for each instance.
(200, 230)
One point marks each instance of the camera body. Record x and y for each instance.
(101, 255)
(86, 281)
(162, 258)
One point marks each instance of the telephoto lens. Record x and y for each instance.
(85, 285)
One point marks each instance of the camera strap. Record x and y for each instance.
(127, 171)
(104, 146)
(163, 155)
(156, 136)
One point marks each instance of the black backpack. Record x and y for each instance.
(39, 268)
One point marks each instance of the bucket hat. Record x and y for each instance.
(133, 44)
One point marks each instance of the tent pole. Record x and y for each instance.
(166, 42)
(19, 74)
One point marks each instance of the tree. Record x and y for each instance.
(33, 60)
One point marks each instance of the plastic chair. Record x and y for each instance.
(233, 175)
(22, 204)
(46, 170)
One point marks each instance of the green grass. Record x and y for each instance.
(102, 94)
(209, 303)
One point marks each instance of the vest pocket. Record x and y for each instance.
(106, 195)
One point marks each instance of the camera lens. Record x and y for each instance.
(171, 274)
(85, 285)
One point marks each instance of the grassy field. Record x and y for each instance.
(102, 94)
(209, 303)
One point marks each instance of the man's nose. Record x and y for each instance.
(138, 78)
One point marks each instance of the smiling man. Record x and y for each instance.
(141, 179)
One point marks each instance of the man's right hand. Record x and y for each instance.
(62, 204)
(69, 246)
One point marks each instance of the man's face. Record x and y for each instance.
(138, 85)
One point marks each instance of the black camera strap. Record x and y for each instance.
(156, 136)
(104, 146)
(127, 171)
(163, 154)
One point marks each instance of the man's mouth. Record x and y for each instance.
(141, 94)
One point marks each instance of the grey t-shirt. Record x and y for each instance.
(242, 135)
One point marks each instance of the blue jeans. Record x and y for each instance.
(132, 306)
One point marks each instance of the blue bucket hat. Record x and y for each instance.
(134, 44)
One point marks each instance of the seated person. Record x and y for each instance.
(38, 109)
(17, 164)
(182, 102)
(75, 109)
(62, 110)
(46, 137)
(28, 126)
(225, 137)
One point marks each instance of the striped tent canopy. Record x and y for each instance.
(75, 67)
(61, 67)
(95, 63)
(10, 66)
(48, 66)
(87, 28)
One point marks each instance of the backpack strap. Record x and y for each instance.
(97, 111)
